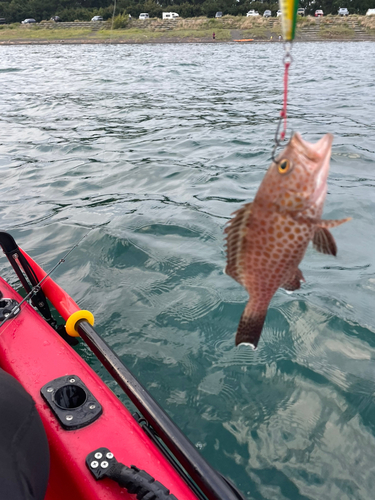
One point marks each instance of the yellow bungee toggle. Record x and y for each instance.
(72, 321)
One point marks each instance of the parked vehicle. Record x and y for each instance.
(252, 13)
(168, 15)
(267, 13)
(144, 15)
(343, 12)
(278, 13)
(29, 21)
(56, 19)
(97, 18)
(2, 20)
(370, 12)
(300, 12)
(318, 13)
(219, 14)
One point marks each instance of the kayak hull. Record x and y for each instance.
(32, 352)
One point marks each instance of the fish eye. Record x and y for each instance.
(283, 166)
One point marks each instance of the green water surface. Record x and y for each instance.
(153, 147)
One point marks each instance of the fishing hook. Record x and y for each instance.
(287, 61)
(277, 139)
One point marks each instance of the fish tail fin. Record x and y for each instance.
(250, 326)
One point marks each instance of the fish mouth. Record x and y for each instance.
(317, 151)
(320, 154)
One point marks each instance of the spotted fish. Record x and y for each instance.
(267, 239)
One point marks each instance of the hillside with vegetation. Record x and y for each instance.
(14, 11)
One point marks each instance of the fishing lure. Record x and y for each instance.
(288, 18)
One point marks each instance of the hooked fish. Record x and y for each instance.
(267, 239)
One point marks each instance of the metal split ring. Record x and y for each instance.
(287, 59)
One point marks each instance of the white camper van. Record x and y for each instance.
(170, 15)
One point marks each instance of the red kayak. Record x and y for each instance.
(35, 354)
(86, 424)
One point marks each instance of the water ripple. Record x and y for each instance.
(153, 147)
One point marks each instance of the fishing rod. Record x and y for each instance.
(9, 245)
(203, 480)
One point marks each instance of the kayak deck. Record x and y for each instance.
(35, 354)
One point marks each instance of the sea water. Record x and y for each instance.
(151, 148)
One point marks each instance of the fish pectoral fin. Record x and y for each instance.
(329, 224)
(294, 283)
(236, 231)
(250, 327)
(324, 242)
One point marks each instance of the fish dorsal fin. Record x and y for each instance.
(324, 242)
(236, 230)
(294, 283)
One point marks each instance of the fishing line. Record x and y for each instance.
(288, 25)
(287, 62)
(280, 135)
(16, 309)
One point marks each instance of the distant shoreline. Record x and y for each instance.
(193, 30)
(160, 42)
